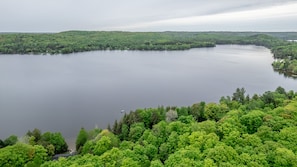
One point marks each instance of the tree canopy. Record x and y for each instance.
(234, 132)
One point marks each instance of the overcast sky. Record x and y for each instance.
(147, 15)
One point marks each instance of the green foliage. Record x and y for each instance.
(2, 144)
(185, 157)
(285, 157)
(54, 143)
(159, 130)
(129, 162)
(78, 41)
(156, 163)
(36, 133)
(239, 95)
(136, 131)
(253, 120)
(11, 140)
(87, 160)
(104, 141)
(50, 150)
(286, 66)
(92, 134)
(231, 136)
(102, 145)
(206, 126)
(88, 147)
(186, 119)
(81, 139)
(198, 111)
(288, 138)
(223, 155)
(215, 111)
(56, 140)
(21, 154)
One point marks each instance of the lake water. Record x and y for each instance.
(66, 92)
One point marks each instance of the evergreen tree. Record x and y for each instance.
(115, 127)
(11, 140)
(239, 95)
(108, 127)
(81, 139)
(1, 144)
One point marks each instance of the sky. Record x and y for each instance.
(147, 15)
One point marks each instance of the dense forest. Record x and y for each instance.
(240, 130)
(78, 41)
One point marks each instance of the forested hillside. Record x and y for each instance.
(79, 41)
(240, 130)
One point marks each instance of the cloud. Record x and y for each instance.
(61, 15)
(233, 21)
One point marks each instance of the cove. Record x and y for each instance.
(66, 92)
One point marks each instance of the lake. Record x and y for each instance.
(66, 92)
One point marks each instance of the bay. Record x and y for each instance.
(66, 92)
